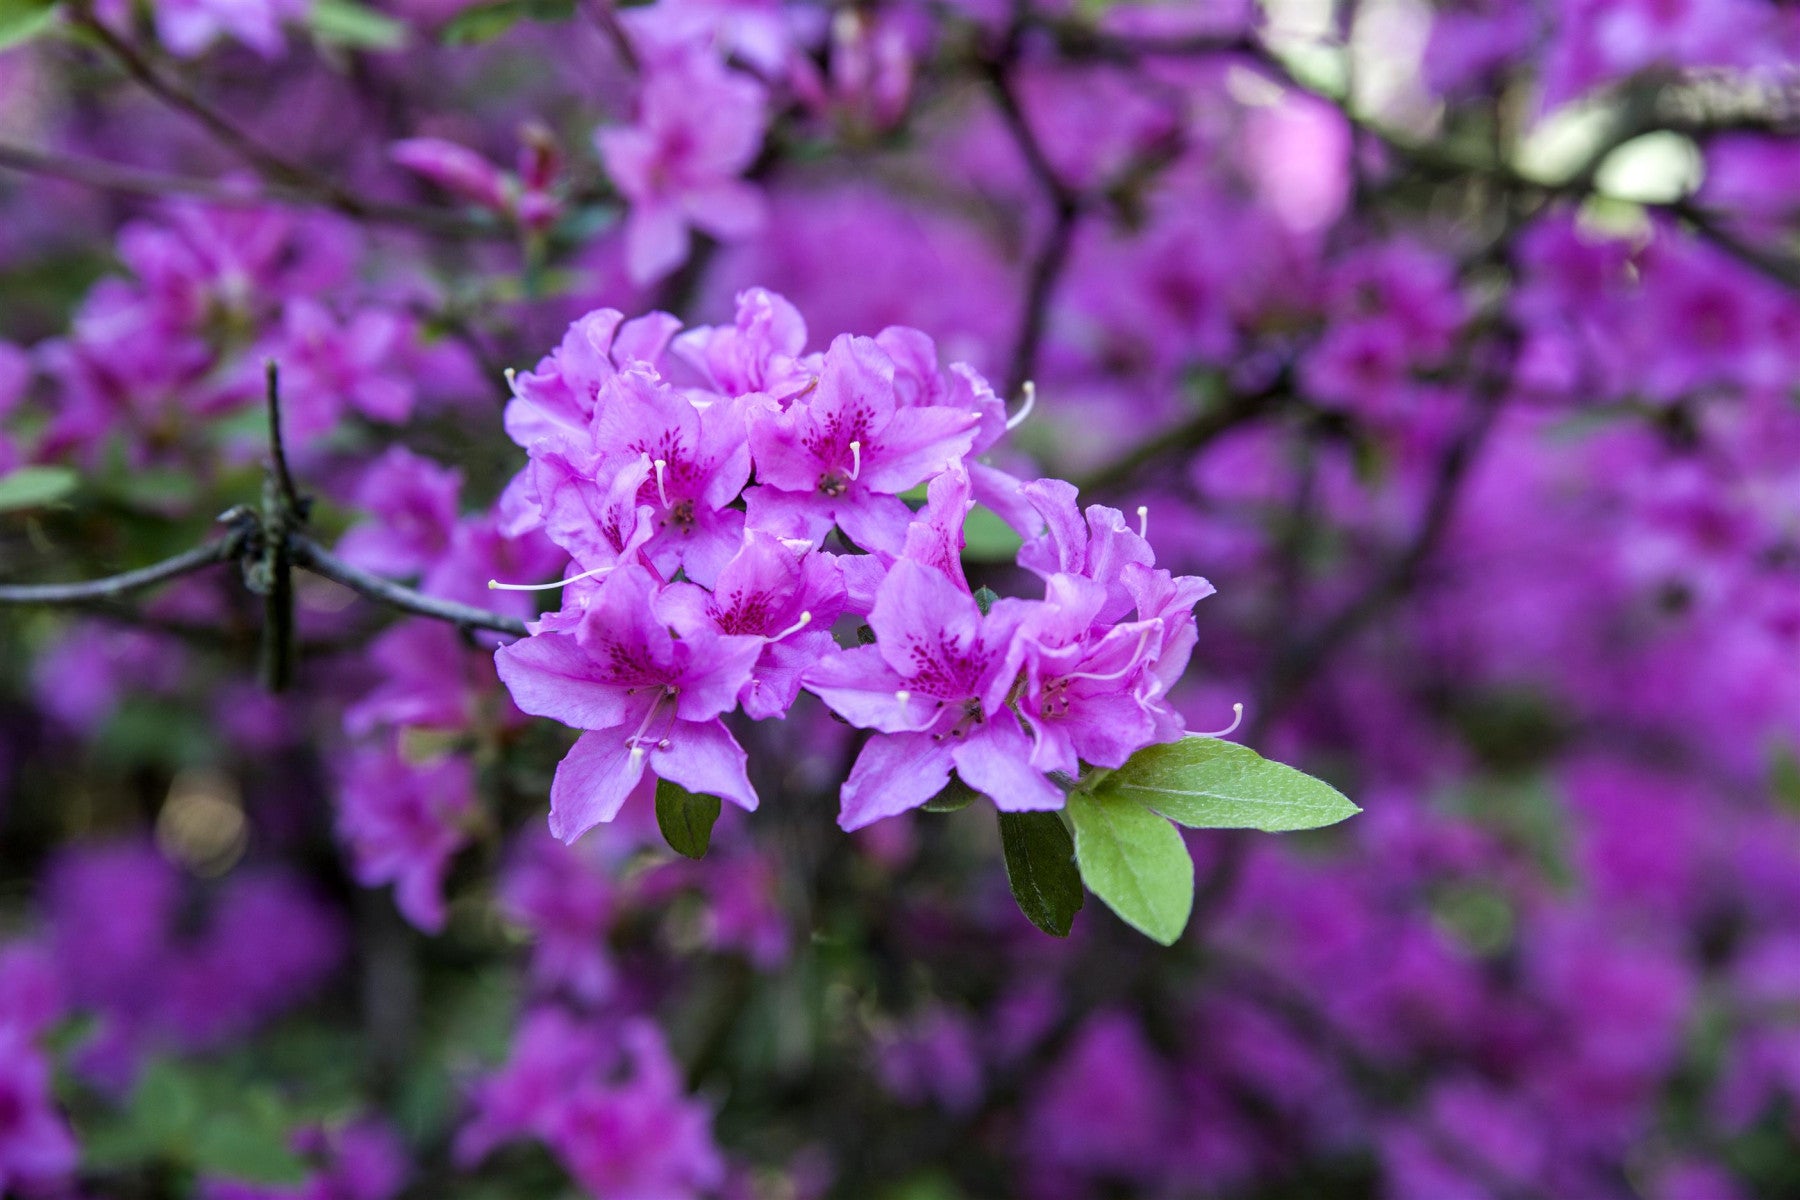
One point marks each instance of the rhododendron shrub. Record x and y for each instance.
(589, 589)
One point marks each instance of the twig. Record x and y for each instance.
(284, 514)
(1190, 435)
(267, 162)
(1065, 207)
(114, 586)
(313, 557)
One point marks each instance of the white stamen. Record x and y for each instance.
(1144, 521)
(497, 586)
(1237, 718)
(903, 695)
(1018, 418)
(1131, 664)
(661, 466)
(855, 459)
(796, 627)
(636, 740)
(511, 379)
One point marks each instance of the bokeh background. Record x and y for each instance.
(1457, 345)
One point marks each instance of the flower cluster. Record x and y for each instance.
(717, 532)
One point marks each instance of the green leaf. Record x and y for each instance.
(955, 797)
(988, 538)
(1040, 866)
(1206, 783)
(347, 23)
(22, 20)
(1135, 861)
(248, 1143)
(34, 487)
(484, 22)
(985, 598)
(686, 820)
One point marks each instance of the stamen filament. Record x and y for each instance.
(1237, 719)
(796, 627)
(661, 466)
(497, 586)
(1144, 521)
(855, 459)
(1018, 418)
(1131, 664)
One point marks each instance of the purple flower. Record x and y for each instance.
(557, 399)
(842, 454)
(642, 1137)
(699, 127)
(699, 463)
(412, 501)
(551, 1053)
(328, 366)
(647, 699)
(935, 688)
(403, 823)
(787, 596)
(760, 352)
(37, 1151)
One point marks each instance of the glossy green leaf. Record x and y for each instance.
(1135, 861)
(34, 487)
(686, 820)
(1040, 866)
(1206, 783)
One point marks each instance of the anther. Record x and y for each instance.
(497, 586)
(1144, 521)
(1018, 418)
(661, 466)
(855, 459)
(903, 695)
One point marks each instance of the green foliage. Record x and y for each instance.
(347, 23)
(485, 22)
(33, 487)
(22, 20)
(955, 797)
(1040, 866)
(984, 599)
(183, 1117)
(987, 538)
(1206, 783)
(686, 820)
(1135, 861)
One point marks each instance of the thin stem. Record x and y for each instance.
(284, 478)
(1052, 256)
(114, 586)
(313, 557)
(267, 162)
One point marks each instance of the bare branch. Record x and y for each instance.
(315, 558)
(114, 586)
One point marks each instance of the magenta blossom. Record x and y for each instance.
(842, 454)
(647, 699)
(699, 127)
(786, 595)
(934, 688)
(699, 463)
(403, 823)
